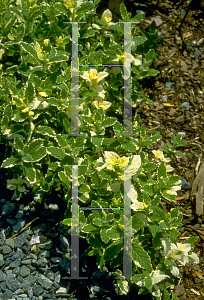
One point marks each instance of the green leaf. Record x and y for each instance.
(179, 154)
(30, 174)
(88, 120)
(161, 172)
(104, 237)
(11, 161)
(67, 222)
(123, 11)
(95, 179)
(191, 240)
(34, 145)
(27, 158)
(149, 56)
(118, 128)
(6, 26)
(53, 102)
(168, 196)
(138, 18)
(137, 223)
(142, 179)
(114, 233)
(64, 178)
(148, 282)
(154, 229)
(140, 256)
(30, 50)
(39, 154)
(62, 142)
(156, 240)
(174, 234)
(123, 287)
(129, 147)
(159, 214)
(88, 33)
(172, 179)
(45, 187)
(97, 141)
(29, 92)
(117, 273)
(107, 174)
(138, 40)
(45, 130)
(90, 252)
(113, 250)
(7, 116)
(84, 188)
(58, 58)
(85, 7)
(94, 242)
(97, 222)
(110, 143)
(53, 166)
(117, 94)
(89, 228)
(152, 72)
(98, 115)
(155, 138)
(18, 144)
(116, 27)
(165, 295)
(56, 152)
(108, 122)
(102, 23)
(100, 261)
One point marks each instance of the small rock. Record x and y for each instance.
(183, 134)
(164, 98)
(185, 106)
(8, 208)
(53, 206)
(45, 282)
(24, 271)
(185, 184)
(47, 245)
(18, 226)
(168, 85)
(35, 240)
(61, 291)
(20, 239)
(180, 290)
(197, 54)
(37, 290)
(19, 214)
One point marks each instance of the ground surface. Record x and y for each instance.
(178, 64)
(182, 70)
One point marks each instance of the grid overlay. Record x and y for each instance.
(127, 125)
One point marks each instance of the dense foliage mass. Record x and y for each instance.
(36, 111)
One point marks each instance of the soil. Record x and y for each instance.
(181, 67)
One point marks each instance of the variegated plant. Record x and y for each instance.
(36, 120)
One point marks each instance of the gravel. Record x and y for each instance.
(35, 260)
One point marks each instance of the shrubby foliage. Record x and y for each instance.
(35, 70)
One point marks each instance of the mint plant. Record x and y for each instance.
(36, 123)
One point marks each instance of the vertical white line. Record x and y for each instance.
(127, 81)
(75, 82)
(127, 258)
(75, 225)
